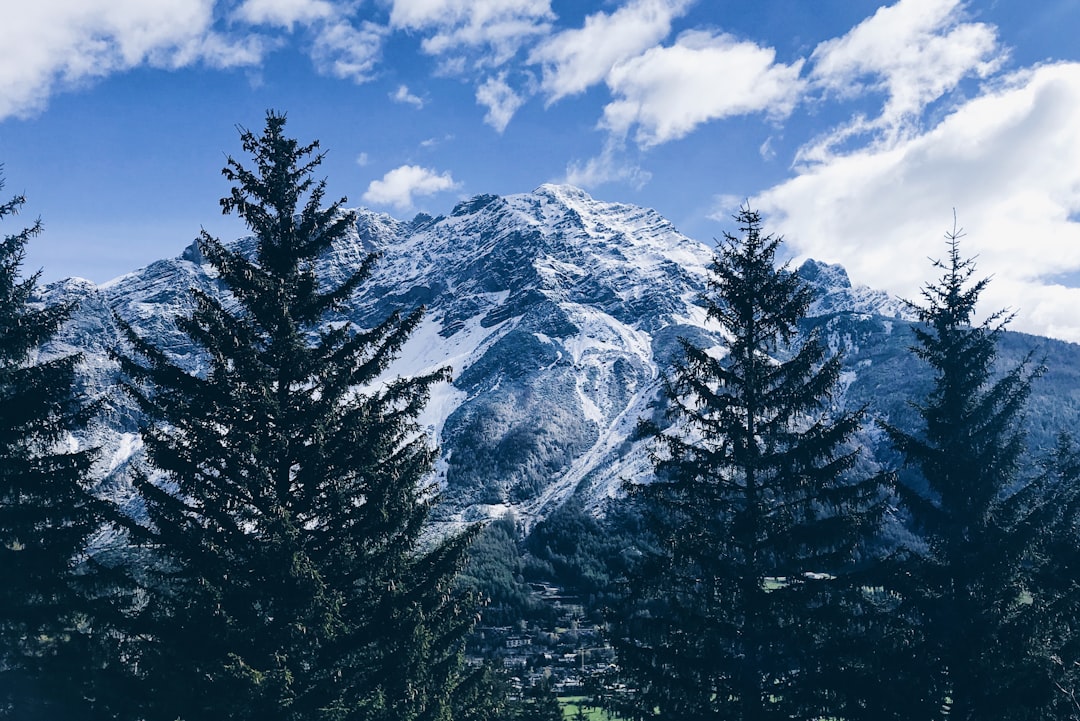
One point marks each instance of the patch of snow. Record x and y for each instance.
(130, 443)
(588, 405)
(600, 333)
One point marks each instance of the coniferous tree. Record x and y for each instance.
(539, 703)
(285, 573)
(1056, 586)
(751, 608)
(970, 655)
(46, 510)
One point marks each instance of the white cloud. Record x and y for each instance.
(574, 60)
(914, 52)
(766, 150)
(53, 44)
(402, 95)
(499, 26)
(340, 46)
(284, 13)
(611, 166)
(398, 186)
(1007, 160)
(500, 100)
(434, 142)
(362, 160)
(668, 91)
(348, 52)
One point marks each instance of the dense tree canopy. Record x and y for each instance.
(46, 510)
(285, 571)
(748, 612)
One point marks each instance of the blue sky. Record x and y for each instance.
(857, 127)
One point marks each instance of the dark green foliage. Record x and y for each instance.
(969, 655)
(1056, 587)
(285, 574)
(538, 703)
(588, 555)
(752, 608)
(46, 510)
(494, 572)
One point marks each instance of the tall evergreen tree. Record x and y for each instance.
(751, 608)
(286, 575)
(1056, 586)
(46, 510)
(970, 656)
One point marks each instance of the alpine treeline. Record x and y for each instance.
(275, 559)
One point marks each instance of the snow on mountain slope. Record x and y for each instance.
(558, 314)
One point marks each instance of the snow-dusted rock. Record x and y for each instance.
(558, 314)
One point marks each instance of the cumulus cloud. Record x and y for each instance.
(403, 95)
(499, 27)
(575, 60)
(54, 44)
(667, 92)
(913, 52)
(1007, 160)
(500, 100)
(398, 186)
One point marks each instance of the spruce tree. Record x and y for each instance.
(751, 607)
(970, 654)
(46, 510)
(286, 571)
(1056, 585)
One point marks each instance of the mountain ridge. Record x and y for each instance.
(558, 314)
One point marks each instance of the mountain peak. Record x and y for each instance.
(557, 311)
(834, 293)
(564, 192)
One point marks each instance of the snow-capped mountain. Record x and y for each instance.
(558, 314)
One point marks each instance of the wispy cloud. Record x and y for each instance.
(576, 59)
(500, 100)
(913, 53)
(493, 30)
(399, 186)
(47, 47)
(348, 51)
(340, 45)
(284, 13)
(611, 166)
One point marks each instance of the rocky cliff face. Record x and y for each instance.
(558, 314)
